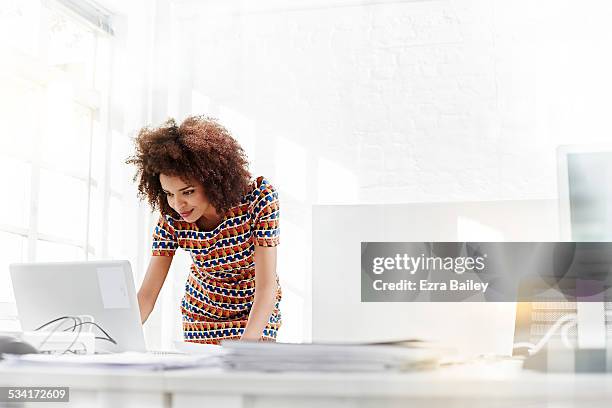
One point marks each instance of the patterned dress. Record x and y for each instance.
(220, 288)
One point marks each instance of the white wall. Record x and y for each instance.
(390, 101)
(419, 100)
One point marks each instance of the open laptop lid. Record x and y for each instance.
(102, 289)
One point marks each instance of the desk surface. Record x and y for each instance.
(470, 381)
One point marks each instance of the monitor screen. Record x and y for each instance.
(590, 195)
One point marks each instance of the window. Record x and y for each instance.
(54, 149)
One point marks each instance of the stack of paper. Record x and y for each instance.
(325, 357)
(127, 360)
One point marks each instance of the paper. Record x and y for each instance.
(126, 360)
(263, 356)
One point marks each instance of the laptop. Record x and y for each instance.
(103, 290)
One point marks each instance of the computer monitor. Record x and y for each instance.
(338, 314)
(584, 174)
(101, 289)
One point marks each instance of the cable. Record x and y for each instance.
(56, 328)
(108, 337)
(75, 339)
(567, 321)
(77, 325)
(55, 320)
(564, 332)
(534, 348)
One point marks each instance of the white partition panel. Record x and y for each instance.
(474, 328)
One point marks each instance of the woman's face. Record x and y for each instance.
(186, 198)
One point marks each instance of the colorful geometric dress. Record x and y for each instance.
(220, 288)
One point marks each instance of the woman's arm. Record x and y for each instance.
(265, 293)
(152, 284)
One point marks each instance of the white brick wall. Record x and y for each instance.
(411, 101)
(419, 100)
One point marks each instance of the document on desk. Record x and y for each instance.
(326, 357)
(127, 360)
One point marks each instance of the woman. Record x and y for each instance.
(197, 176)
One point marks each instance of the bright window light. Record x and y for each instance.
(13, 250)
(47, 251)
(16, 203)
(116, 233)
(120, 171)
(67, 133)
(63, 205)
(52, 78)
(96, 219)
(20, 105)
(19, 25)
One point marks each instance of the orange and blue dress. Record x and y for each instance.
(220, 288)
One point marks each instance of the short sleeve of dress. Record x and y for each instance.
(266, 216)
(164, 237)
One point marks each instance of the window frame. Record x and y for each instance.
(91, 97)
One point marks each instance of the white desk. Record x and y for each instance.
(485, 385)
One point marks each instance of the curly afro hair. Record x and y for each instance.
(200, 149)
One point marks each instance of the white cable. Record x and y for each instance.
(534, 348)
(91, 320)
(56, 328)
(568, 321)
(564, 333)
(77, 322)
(76, 337)
(81, 319)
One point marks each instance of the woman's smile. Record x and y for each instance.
(186, 213)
